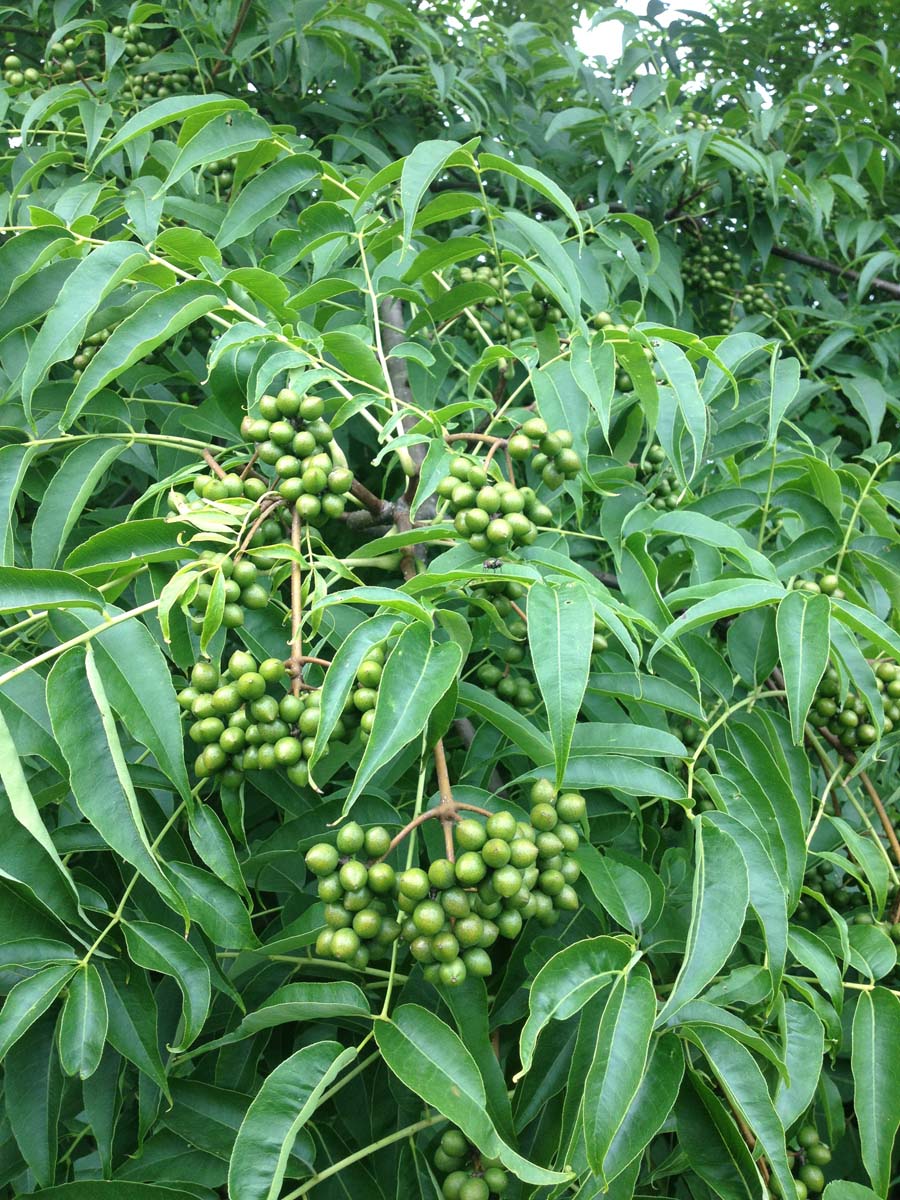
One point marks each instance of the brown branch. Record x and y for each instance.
(447, 802)
(831, 268)
(516, 609)
(251, 462)
(296, 605)
(213, 465)
(869, 787)
(265, 509)
(303, 659)
(232, 37)
(382, 509)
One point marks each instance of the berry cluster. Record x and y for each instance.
(88, 349)
(848, 720)
(504, 872)
(293, 437)
(239, 725)
(222, 171)
(827, 585)
(522, 309)
(468, 1175)
(813, 1156)
(695, 120)
(355, 895)
(243, 588)
(756, 299)
(364, 696)
(493, 515)
(514, 689)
(555, 460)
(710, 270)
(599, 645)
(59, 67)
(658, 479)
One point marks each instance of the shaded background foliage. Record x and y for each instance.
(204, 203)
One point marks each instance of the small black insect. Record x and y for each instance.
(492, 564)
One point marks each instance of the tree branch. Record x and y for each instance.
(822, 264)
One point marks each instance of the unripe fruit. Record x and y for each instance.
(350, 839)
(496, 852)
(353, 875)
(441, 874)
(819, 1155)
(345, 944)
(322, 859)
(571, 807)
(381, 878)
(543, 792)
(414, 883)
(812, 1176)
(470, 868)
(501, 825)
(452, 974)
(470, 834)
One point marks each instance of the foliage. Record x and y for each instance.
(449, 701)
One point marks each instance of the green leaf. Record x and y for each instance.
(623, 1043)
(215, 907)
(745, 1087)
(430, 1059)
(296, 1002)
(86, 731)
(138, 682)
(134, 338)
(841, 1189)
(566, 983)
(165, 112)
(79, 297)
(622, 891)
(534, 179)
(28, 1000)
(133, 1020)
(280, 1109)
(67, 493)
(340, 678)
(785, 383)
(732, 598)
(83, 1024)
(226, 135)
(649, 1107)
(420, 170)
(690, 406)
(37, 862)
(713, 1143)
(694, 526)
(560, 627)
(33, 1094)
(863, 622)
(265, 195)
(14, 462)
(718, 904)
(417, 674)
(520, 731)
(801, 623)
(804, 1044)
(876, 1084)
(96, 1189)
(160, 949)
(23, 588)
(153, 540)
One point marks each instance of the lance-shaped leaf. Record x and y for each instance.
(161, 949)
(651, 1104)
(430, 1059)
(86, 731)
(714, 1146)
(623, 1043)
(876, 1081)
(163, 315)
(340, 678)
(28, 1000)
(265, 195)
(804, 1044)
(67, 493)
(718, 904)
(802, 624)
(23, 588)
(560, 631)
(83, 1024)
(416, 676)
(566, 983)
(280, 1109)
(79, 297)
(420, 170)
(745, 1087)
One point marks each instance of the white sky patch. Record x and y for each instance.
(606, 38)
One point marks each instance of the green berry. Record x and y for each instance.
(350, 838)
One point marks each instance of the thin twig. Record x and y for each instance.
(213, 465)
(232, 37)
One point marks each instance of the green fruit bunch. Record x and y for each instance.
(238, 724)
(505, 684)
(765, 298)
(712, 271)
(242, 582)
(222, 171)
(827, 585)
(60, 66)
(88, 348)
(658, 479)
(695, 120)
(357, 895)
(441, 923)
(468, 1175)
(849, 719)
(158, 85)
(137, 50)
(599, 645)
(364, 696)
(494, 515)
(542, 309)
(814, 1155)
(293, 437)
(555, 460)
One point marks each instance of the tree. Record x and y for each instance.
(449, 694)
